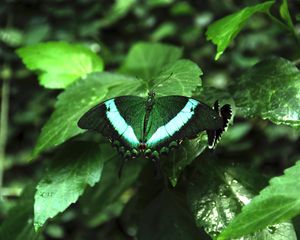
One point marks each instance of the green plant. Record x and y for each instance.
(204, 194)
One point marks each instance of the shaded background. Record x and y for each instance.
(110, 29)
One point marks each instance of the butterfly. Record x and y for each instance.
(152, 126)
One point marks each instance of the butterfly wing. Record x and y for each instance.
(119, 119)
(178, 117)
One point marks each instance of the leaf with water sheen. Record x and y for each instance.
(77, 165)
(271, 90)
(146, 60)
(276, 203)
(216, 194)
(223, 31)
(59, 63)
(79, 98)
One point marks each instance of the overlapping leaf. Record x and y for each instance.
(276, 203)
(78, 99)
(217, 193)
(77, 165)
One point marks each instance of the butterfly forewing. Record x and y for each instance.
(117, 119)
(178, 118)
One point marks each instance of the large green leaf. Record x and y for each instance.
(179, 78)
(59, 63)
(216, 193)
(224, 30)
(79, 98)
(167, 218)
(18, 225)
(146, 60)
(77, 165)
(276, 203)
(271, 90)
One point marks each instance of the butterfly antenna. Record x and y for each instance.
(167, 78)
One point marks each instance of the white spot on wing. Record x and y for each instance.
(175, 124)
(119, 123)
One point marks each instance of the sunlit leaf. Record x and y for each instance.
(223, 31)
(59, 63)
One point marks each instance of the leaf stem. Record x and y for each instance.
(5, 75)
(284, 26)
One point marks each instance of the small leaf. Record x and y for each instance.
(179, 78)
(167, 217)
(18, 225)
(271, 90)
(77, 165)
(223, 31)
(146, 60)
(59, 63)
(276, 203)
(285, 13)
(79, 98)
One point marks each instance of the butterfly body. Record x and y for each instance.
(152, 126)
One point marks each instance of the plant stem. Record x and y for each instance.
(284, 26)
(5, 75)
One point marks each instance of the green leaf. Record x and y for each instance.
(111, 191)
(276, 203)
(79, 98)
(177, 160)
(271, 90)
(223, 31)
(285, 13)
(179, 78)
(18, 225)
(118, 10)
(59, 63)
(77, 165)
(217, 192)
(167, 217)
(146, 60)
(165, 30)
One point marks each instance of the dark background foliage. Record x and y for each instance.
(110, 31)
